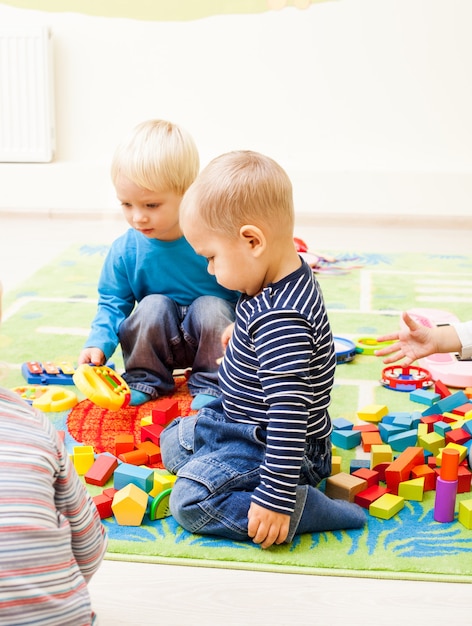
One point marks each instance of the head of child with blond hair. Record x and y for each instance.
(239, 214)
(157, 155)
(151, 170)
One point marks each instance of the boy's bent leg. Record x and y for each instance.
(315, 512)
(206, 319)
(146, 338)
(220, 514)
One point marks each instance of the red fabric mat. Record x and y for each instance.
(93, 426)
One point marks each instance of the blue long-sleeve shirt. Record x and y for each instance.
(278, 372)
(136, 267)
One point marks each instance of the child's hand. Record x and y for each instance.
(412, 342)
(91, 355)
(267, 527)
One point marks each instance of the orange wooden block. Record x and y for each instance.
(152, 450)
(370, 438)
(135, 457)
(426, 472)
(399, 470)
(124, 442)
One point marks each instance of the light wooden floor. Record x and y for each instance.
(137, 594)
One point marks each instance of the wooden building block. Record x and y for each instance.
(412, 489)
(103, 504)
(372, 412)
(336, 463)
(399, 470)
(129, 505)
(441, 389)
(370, 438)
(457, 435)
(164, 411)
(152, 432)
(432, 442)
(83, 458)
(152, 450)
(369, 495)
(465, 513)
(464, 479)
(424, 396)
(134, 457)
(102, 469)
(380, 454)
(386, 506)
(404, 440)
(124, 442)
(142, 477)
(370, 476)
(346, 439)
(344, 486)
(428, 474)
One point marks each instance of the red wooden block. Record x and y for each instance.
(370, 476)
(429, 475)
(165, 411)
(430, 420)
(110, 492)
(440, 387)
(380, 469)
(151, 432)
(366, 428)
(400, 469)
(464, 478)
(135, 457)
(369, 495)
(123, 443)
(101, 470)
(458, 435)
(103, 504)
(463, 409)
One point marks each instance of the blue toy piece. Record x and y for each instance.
(345, 349)
(49, 373)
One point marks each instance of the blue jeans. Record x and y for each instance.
(161, 336)
(217, 463)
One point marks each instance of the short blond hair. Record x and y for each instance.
(241, 187)
(158, 155)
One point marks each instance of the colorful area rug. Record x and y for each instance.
(48, 319)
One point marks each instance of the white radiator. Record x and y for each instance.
(27, 130)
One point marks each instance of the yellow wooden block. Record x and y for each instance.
(335, 465)
(145, 421)
(455, 446)
(129, 505)
(432, 442)
(422, 430)
(372, 413)
(83, 458)
(456, 424)
(465, 513)
(386, 506)
(380, 453)
(412, 489)
(161, 483)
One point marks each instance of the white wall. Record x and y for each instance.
(366, 103)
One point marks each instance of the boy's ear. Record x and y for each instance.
(254, 238)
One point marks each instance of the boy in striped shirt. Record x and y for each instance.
(248, 463)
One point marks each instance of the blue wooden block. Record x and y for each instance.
(441, 428)
(357, 464)
(404, 440)
(387, 430)
(424, 396)
(142, 477)
(346, 439)
(341, 423)
(447, 404)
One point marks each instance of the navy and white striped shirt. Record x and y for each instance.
(278, 372)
